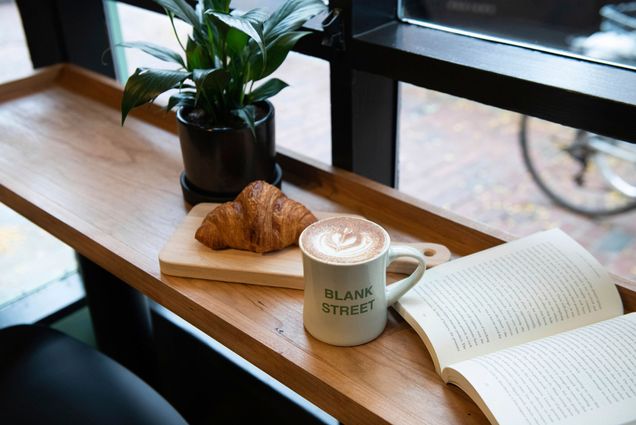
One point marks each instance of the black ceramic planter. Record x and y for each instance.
(220, 162)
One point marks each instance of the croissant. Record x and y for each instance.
(260, 219)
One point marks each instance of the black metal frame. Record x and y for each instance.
(121, 319)
(47, 305)
(66, 31)
(376, 52)
(577, 93)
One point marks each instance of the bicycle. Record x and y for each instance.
(584, 172)
(602, 169)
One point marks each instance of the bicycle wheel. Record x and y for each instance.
(567, 166)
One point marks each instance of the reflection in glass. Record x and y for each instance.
(600, 29)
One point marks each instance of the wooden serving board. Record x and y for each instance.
(184, 256)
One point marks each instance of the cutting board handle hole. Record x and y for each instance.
(429, 252)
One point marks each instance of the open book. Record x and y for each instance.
(532, 330)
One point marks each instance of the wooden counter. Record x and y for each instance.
(112, 193)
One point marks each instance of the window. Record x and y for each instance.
(50, 261)
(15, 54)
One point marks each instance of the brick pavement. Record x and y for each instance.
(465, 157)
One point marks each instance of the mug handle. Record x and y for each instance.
(399, 288)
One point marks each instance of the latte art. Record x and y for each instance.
(347, 243)
(344, 240)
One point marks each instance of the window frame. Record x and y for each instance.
(596, 97)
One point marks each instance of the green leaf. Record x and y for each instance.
(211, 82)
(146, 84)
(247, 116)
(266, 90)
(181, 99)
(277, 51)
(255, 16)
(239, 23)
(181, 9)
(236, 41)
(217, 5)
(155, 50)
(197, 56)
(291, 16)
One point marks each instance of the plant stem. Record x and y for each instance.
(223, 50)
(246, 74)
(252, 85)
(174, 29)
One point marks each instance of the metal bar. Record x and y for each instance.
(363, 106)
(364, 123)
(121, 319)
(42, 31)
(66, 31)
(595, 97)
(85, 34)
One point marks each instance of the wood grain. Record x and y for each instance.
(184, 256)
(112, 193)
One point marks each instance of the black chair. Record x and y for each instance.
(49, 378)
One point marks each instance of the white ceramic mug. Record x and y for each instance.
(346, 304)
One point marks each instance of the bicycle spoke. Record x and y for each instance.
(582, 171)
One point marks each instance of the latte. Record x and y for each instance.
(344, 240)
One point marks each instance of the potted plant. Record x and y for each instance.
(226, 123)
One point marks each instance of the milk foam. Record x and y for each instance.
(344, 240)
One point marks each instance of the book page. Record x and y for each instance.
(507, 295)
(584, 376)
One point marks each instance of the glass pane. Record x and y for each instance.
(468, 158)
(136, 24)
(303, 110)
(600, 29)
(303, 120)
(16, 61)
(30, 258)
